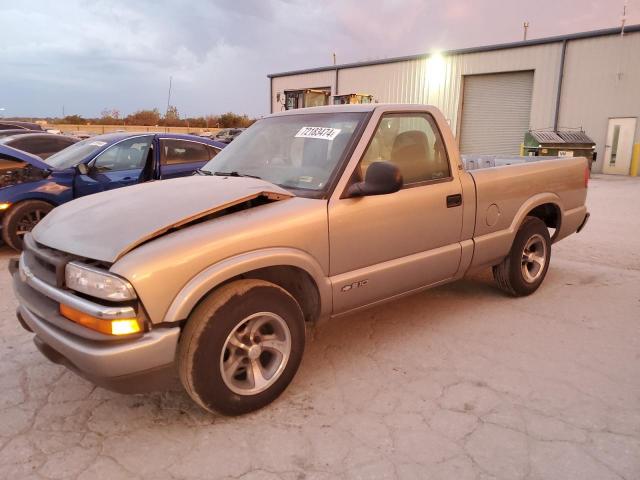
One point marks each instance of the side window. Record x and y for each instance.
(181, 151)
(129, 154)
(413, 143)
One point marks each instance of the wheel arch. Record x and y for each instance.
(546, 206)
(550, 213)
(294, 270)
(492, 248)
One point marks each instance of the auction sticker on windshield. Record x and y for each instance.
(325, 133)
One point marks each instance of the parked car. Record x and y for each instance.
(81, 134)
(310, 213)
(17, 131)
(227, 135)
(41, 144)
(31, 187)
(13, 124)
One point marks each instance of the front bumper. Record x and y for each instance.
(143, 363)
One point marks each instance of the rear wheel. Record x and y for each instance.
(524, 269)
(241, 347)
(21, 219)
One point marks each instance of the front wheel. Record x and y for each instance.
(21, 219)
(524, 269)
(241, 347)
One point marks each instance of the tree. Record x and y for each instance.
(109, 116)
(172, 117)
(230, 119)
(196, 122)
(144, 117)
(73, 120)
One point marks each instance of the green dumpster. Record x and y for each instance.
(559, 143)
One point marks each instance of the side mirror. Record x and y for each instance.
(83, 168)
(381, 178)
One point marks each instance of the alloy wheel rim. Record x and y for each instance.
(255, 353)
(534, 258)
(28, 221)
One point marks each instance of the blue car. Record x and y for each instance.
(31, 187)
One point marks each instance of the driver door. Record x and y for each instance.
(386, 245)
(118, 166)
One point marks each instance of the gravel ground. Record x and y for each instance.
(459, 382)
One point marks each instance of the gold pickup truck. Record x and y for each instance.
(308, 214)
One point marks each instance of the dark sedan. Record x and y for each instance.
(15, 124)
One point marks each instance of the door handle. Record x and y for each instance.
(454, 200)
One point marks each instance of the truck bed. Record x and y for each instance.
(506, 194)
(475, 162)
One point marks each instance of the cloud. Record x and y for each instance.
(88, 55)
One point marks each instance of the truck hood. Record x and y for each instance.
(107, 225)
(20, 156)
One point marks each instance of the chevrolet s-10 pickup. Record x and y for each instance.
(309, 214)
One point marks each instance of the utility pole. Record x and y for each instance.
(334, 58)
(169, 96)
(624, 16)
(525, 26)
(62, 111)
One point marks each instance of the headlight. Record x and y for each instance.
(97, 283)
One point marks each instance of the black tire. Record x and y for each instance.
(202, 351)
(510, 275)
(20, 218)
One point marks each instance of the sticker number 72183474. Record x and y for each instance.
(325, 133)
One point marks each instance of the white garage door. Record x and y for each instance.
(495, 112)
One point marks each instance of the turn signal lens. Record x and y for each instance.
(4, 206)
(121, 326)
(124, 326)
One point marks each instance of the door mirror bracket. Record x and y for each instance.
(381, 178)
(83, 168)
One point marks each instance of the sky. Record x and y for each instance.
(87, 56)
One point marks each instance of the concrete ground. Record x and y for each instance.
(457, 383)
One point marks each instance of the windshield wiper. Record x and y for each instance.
(203, 172)
(235, 174)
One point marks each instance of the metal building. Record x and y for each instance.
(492, 95)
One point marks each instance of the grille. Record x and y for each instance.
(45, 263)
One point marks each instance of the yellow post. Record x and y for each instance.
(522, 149)
(635, 160)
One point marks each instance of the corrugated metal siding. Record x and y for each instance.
(592, 91)
(495, 112)
(439, 83)
(601, 81)
(298, 82)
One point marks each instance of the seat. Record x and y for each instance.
(147, 171)
(411, 154)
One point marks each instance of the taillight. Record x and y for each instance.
(586, 176)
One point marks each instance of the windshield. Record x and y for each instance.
(73, 155)
(295, 151)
